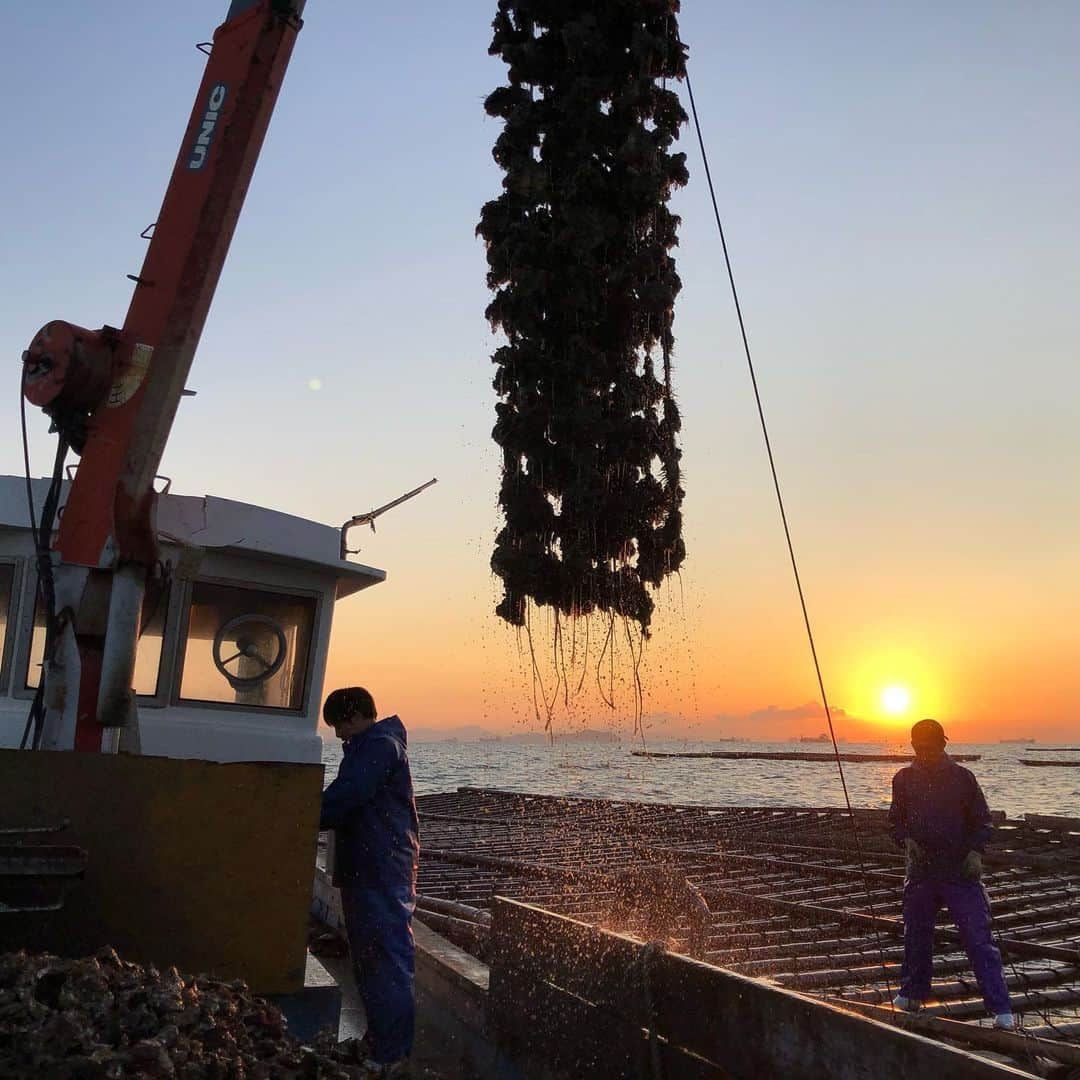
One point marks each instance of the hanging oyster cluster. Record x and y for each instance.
(578, 249)
(102, 1017)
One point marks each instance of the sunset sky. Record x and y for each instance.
(899, 187)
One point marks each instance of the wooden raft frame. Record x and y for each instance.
(569, 999)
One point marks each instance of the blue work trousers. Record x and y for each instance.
(379, 924)
(970, 910)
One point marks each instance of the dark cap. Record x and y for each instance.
(928, 727)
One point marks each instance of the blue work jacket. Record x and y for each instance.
(371, 808)
(942, 808)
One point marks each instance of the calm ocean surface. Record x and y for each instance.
(606, 770)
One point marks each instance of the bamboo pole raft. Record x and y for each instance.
(776, 893)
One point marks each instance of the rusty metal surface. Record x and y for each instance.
(36, 876)
(41, 860)
(788, 901)
(205, 866)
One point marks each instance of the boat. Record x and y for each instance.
(199, 848)
(231, 661)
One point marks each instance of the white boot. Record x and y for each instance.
(1005, 1021)
(906, 1004)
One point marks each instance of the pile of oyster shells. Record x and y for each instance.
(100, 1017)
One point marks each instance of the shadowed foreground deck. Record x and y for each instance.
(787, 899)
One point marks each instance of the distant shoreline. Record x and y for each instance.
(475, 734)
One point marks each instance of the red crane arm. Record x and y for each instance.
(111, 496)
(113, 394)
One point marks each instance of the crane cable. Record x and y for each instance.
(787, 530)
(45, 589)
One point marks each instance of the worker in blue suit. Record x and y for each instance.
(371, 808)
(940, 817)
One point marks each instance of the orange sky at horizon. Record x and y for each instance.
(963, 601)
(728, 655)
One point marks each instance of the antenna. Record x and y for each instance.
(371, 515)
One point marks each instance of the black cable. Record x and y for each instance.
(783, 518)
(163, 586)
(32, 511)
(46, 586)
(26, 464)
(48, 515)
(34, 719)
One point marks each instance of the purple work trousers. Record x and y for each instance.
(379, 924)
(970, 910)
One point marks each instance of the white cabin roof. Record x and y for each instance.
(223, 524)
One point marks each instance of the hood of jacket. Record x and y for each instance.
(390, 728)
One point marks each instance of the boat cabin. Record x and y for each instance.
(235, 627)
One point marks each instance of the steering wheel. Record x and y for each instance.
(244, 632)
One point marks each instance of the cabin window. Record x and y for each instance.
(147, 654)
(247, 647)
(7, 604)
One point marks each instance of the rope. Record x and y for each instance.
(784, 520)
(26, 464)
(42, 537)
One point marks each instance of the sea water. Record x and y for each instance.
(608, 771)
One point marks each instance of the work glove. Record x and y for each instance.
(971, 867)
(915, 854)
(914, 850)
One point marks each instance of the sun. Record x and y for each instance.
(895, 700)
